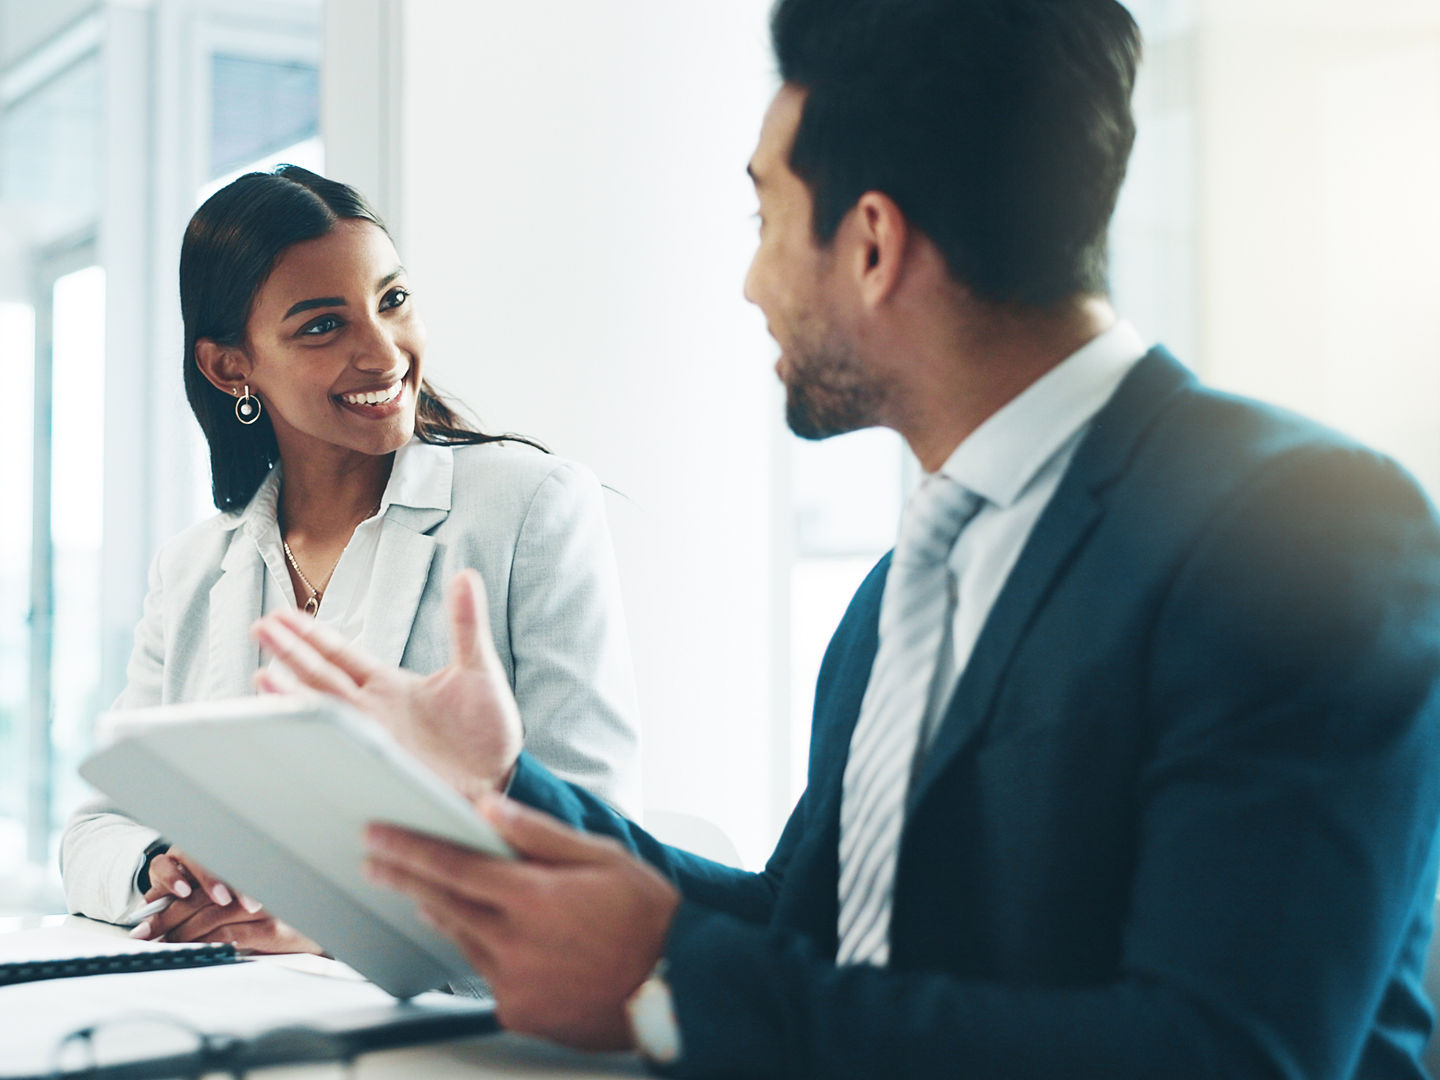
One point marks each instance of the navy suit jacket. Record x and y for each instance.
(1180, 817)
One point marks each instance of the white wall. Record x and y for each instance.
(568, 184)
(1319, 214)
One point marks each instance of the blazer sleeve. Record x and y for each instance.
(1285, 835)
(574, 679)
(745, 895)
(102, 850)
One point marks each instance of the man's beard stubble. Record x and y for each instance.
(828, 392)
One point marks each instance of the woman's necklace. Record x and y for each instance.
(312, 605)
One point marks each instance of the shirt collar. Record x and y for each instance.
(1003, 455)
(263, 507)
(418, 479)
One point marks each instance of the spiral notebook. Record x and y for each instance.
(233, 1018)
(29, 956)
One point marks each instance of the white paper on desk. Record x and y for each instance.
(237, 999)
(66, 943)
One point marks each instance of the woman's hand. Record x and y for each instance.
(204, 908)
(173, 873)
(461, 721)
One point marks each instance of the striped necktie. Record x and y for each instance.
(886, 738)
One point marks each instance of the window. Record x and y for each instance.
(259, 105)
(68, 634)
(103, 461)
(17, 339)
(52, 324)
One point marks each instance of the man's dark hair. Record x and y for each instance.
(1001, 128)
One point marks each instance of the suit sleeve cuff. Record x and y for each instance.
(712, 973)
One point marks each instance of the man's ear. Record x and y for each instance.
(226, 367)
(879, 239)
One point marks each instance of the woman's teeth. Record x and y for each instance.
(373, 397)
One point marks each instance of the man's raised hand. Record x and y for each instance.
(461, 721)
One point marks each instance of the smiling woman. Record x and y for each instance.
(260, 253)
(348, 488)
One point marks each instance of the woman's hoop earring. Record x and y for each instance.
(247, 408)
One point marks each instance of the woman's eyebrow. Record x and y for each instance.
(319, 301)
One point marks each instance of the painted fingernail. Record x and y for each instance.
(141, 931)
(250, 904)
(221, 895)
(181, 888)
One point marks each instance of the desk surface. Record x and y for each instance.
(490, 1057)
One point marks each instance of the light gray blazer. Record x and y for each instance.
(531, 523)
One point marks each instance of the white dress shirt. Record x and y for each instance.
(1015, 461)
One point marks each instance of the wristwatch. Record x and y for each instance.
(142, 876)
(652, 1019)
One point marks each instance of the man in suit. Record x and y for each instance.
(1125, 763)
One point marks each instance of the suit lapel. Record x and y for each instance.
(839, 689)
(843, 677)
(421, 490)
(1066, 521)
(402, 569)
(235, 600)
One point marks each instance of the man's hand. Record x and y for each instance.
(206, 909)
(563, 935)
(461, 721)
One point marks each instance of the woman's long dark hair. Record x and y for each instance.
(230, 247)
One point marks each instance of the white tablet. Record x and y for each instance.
(272, 794)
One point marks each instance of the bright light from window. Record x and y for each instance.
(17, 343)
(76, 519)
(79, 410)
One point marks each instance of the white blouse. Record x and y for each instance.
(414, 482)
